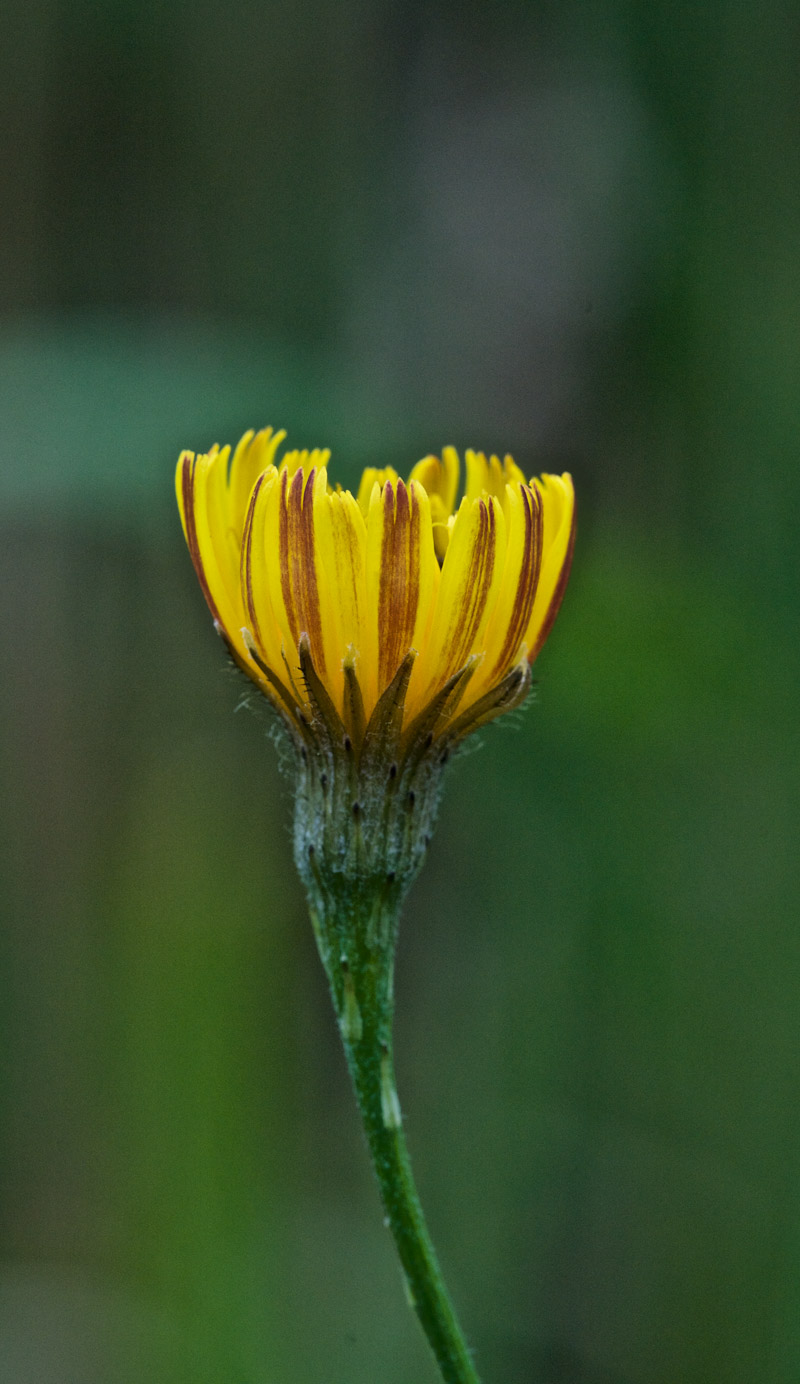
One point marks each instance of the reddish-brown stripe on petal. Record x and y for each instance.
(298, 563)
(479, 581)
(246, 569)
(187, 487)
(527, 581)
(399, 583)
(558, 594)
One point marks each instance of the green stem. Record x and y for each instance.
(372, 1070)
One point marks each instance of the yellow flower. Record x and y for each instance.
(327, 599)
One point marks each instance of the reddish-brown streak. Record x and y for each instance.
(298, 563)
(399, 582)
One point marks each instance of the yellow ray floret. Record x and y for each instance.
(365, 586)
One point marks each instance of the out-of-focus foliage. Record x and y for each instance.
(567, 230)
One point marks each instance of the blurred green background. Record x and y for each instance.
(567, 230)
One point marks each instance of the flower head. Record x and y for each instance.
(384, 627)
(398, 602)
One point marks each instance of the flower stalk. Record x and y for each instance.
(355, 915)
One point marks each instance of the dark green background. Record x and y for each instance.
(568, 230)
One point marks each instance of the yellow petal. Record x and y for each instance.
(295, 461)
(441, 536)
(321, 593)
(215, 558)
(254, 579)
(291, 564)
(183, 472)
(491, 476)
(478, 477)
(558, 536)
(440, 480)
(514, 605)
(341, 539)
(470, 579)
(401, 578)
(253, 454)
(513, 474)
(215, 481)
(373, 476)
